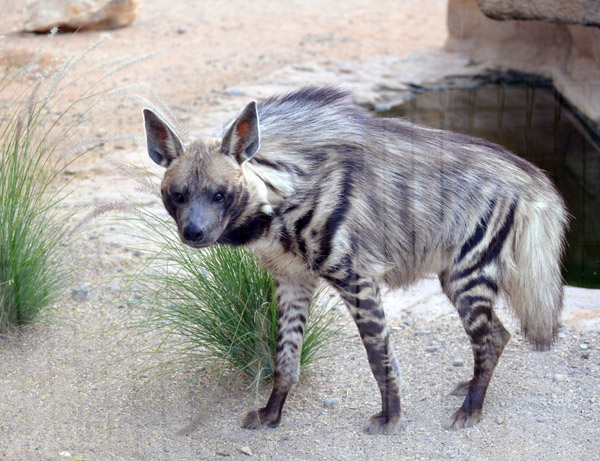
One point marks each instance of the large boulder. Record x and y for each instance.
(585, 12)
(43, 15)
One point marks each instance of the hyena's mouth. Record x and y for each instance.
(195, 245)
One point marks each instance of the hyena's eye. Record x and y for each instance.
(219, 197)
(178, 197)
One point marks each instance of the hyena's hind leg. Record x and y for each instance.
(474, 298)
(293, 299)
(363, 300)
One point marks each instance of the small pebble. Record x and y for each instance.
(458, 362)
(223, 453)
(81, 293)
(431, 348)
(562, 335)
(246, 451)
(115, 288)
(182, 30)
(558, 378)
(422, 332)
(138, 253)
(499, 419)
(584, 347)
(585, 355)
(332, 402)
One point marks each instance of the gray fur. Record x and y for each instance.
(362, 202)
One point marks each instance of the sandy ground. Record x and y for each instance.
(73, 392)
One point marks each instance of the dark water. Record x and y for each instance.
(532, 120)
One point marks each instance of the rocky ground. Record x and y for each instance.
(73, 391)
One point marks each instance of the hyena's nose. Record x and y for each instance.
(193, 233)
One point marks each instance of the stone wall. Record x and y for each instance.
(567, 53)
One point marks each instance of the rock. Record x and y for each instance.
(558, 378)
(585, 12)
(585, 355)
(43, 15)
(246, 451)
(182, 30)
(458, 362)
(422, 332)
(223, 453)
(332, 402)
(499, 419)
(81, 293)
(584, 347)
(431, 349)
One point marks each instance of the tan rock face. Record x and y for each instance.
(585, 12)
(43, 15)
(569, 54)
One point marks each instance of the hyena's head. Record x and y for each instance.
(205, 189)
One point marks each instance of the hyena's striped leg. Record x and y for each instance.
(364, 303)
(474, 299)
(293, 303)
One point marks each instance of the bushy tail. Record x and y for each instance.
(534, 280)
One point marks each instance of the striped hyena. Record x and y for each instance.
(319, 189)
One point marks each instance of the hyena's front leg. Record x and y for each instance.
(364, 303)
(293, 299)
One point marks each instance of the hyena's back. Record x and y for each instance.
(418, 201)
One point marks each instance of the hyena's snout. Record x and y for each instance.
(193, 233)
(199, 227)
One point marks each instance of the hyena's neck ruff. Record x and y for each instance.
(320, 190)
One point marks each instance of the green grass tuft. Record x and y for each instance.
(216, 308)
(39, 113)
(31, 272)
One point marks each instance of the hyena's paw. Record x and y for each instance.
(462, 418)
(383, 424)
(461, 389)
(258, 419)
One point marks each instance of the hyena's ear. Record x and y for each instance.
(242, 139)
(164, 145)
